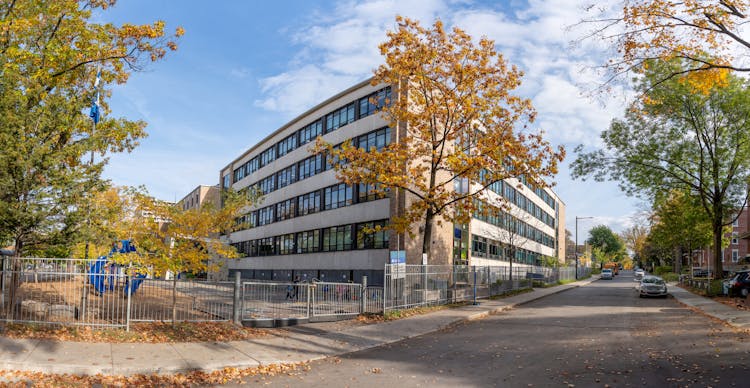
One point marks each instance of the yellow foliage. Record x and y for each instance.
(453, 108)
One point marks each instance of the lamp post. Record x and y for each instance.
(576, 247)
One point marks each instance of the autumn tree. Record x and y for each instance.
(634, 238)
(50, 53)
(707, 36)
(680, 138)
(172, 240)
(456, 119)
(679, 224)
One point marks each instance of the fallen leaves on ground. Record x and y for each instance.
(224, 376)
(151, 332)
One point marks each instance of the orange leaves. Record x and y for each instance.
(454, 107)
(707, 35)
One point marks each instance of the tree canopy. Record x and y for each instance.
(456, 119)
(708, 36)
(50, 53)
(680, 138)
(608, 242)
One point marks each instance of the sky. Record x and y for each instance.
(245, 68)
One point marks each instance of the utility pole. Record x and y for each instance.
(576, 247)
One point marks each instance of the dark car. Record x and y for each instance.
(739, 285)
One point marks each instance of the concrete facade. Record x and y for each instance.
(199, 196)
(276, 242)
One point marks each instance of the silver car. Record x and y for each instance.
(639, 274)
(652, 286)
(606, 274)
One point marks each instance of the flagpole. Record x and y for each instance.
(94, 114)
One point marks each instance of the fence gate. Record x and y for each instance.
(341, 300)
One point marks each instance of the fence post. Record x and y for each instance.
(310, 290)
(363, 295)
(237, 305)
(128, 291)
(474, 272)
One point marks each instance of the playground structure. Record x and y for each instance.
(102, 272)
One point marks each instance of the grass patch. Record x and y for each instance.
(156, 332)
(511, 293)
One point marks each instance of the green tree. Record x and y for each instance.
(50, 53)
(606, 243)
(457, 121)
(679, 224)
(680, 138)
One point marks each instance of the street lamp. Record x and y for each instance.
(576, 247)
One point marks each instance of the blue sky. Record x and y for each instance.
(244, 68)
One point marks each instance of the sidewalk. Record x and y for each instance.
(735, 318)
(305, 343)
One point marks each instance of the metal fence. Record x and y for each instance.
(408, 286)
(67, 291)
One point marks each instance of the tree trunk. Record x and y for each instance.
(15, 278)
(718, 258)
(174, 299)
(427, 235)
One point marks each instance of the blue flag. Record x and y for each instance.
(94, 113)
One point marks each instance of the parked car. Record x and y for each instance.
(739, 285)
(606, 274)
(652, 286)
(639, 274)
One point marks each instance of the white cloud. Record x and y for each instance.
(299, 89)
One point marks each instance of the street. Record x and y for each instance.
(598, 335)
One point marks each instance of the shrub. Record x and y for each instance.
(670, 277)
(658, 271)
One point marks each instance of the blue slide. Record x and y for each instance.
(97, 276)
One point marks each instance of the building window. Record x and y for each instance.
(735, 255)
(372, 103)
(339, 117)
(286, 146)
(267, 156)
(337, 238)
(308, 203)
(266, 246)
(368, 192)
(368, 238)
(478, 246)
(310, 132)
(494, 250)
(337, 196)
(268, 184)
(285, 209)
(287, 176)
(308, 241)
(251, 166)
(375, 139)
(736, 223)
(285, 244)
(310, 166)
(265, 215)
(735, 239)
(226, 181)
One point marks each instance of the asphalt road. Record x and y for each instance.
(594, 336)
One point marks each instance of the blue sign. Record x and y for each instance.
(398, 257)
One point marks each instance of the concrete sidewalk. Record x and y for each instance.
(305, 343)
(734, 317)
